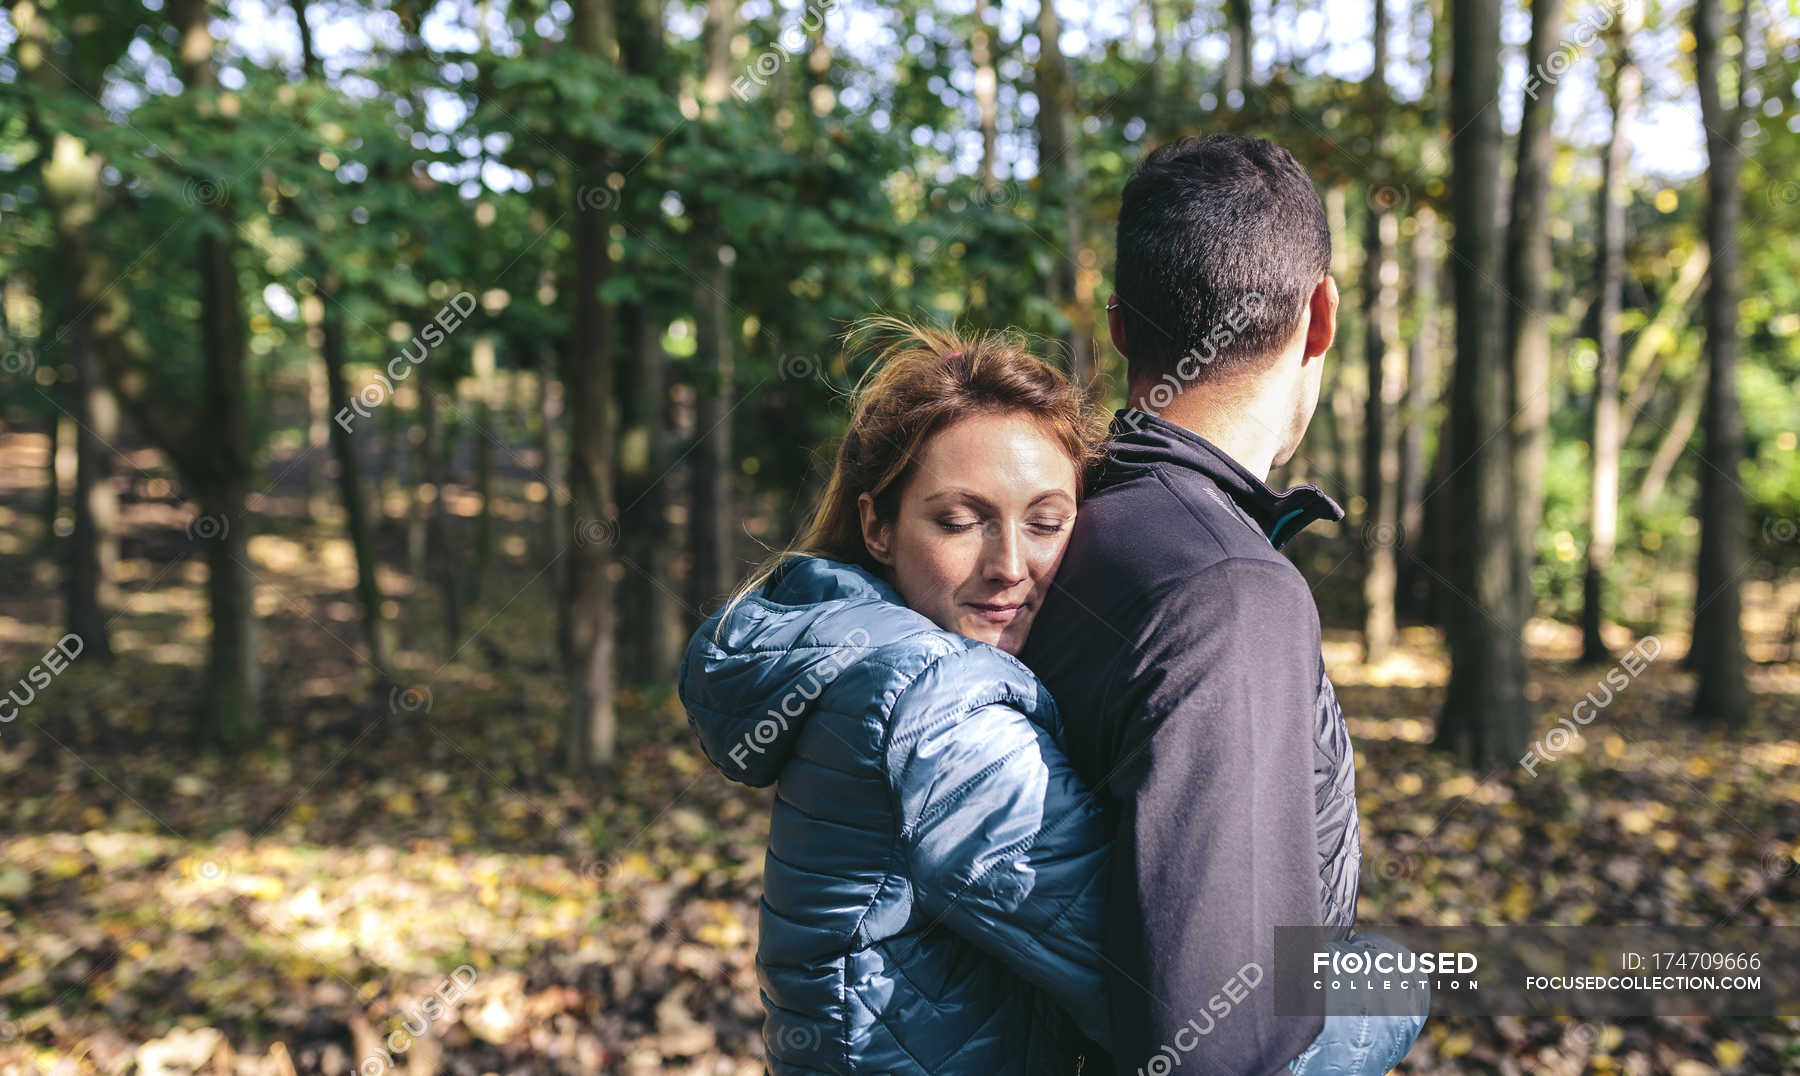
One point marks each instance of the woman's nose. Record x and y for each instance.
(1005, 560)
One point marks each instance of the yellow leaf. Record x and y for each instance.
(1729, 1053)
(261, 886)
(1457, 1045)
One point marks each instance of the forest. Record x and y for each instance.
(389, 388)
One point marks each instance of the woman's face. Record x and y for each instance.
(981, 527)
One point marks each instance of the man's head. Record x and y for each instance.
(1223, 279)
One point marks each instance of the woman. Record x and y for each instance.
(935, 875)
(932, 856)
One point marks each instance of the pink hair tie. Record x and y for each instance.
(953, 355)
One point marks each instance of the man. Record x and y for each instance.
(1183, 648)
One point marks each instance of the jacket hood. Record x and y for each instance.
(755, 671)
(1141, 440)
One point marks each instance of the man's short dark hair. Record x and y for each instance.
(1221, 242)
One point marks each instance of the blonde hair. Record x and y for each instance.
(924, 379)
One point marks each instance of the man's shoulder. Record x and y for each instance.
(1157, 529)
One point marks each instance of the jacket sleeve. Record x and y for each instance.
(1004, 845)
(1217, 841)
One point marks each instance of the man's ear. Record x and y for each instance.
(877, 534)
(1321, 318)
(1115, 324)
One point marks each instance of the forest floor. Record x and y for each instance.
(286, 908)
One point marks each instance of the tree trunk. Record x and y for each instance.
(643, 471)
(487, 388)
(1527, 332)
(1059, 172)
(1722, 696)
(1422, 365)
(235, 678)
(93, 561)
(553, 535)
(1485, 721)
(652, 652)
(318, 415)
(714, 513)
(987, 88)
(1603, 489)
(440, 554)
(1385, 363)
(319, 314)
(1347, 461)
(51, 506)
(231, 714)
(1238, 43)
(590, 731)
(233, 671)
(350, 485)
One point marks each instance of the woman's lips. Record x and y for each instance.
(1001, 613)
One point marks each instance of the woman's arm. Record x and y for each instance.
(1004, 844)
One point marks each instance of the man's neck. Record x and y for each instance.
(1239, 421)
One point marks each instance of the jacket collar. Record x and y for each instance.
(1140, 439)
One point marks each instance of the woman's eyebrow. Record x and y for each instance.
(984, 502)
(956, 491)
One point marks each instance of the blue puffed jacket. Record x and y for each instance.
(932, 893)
